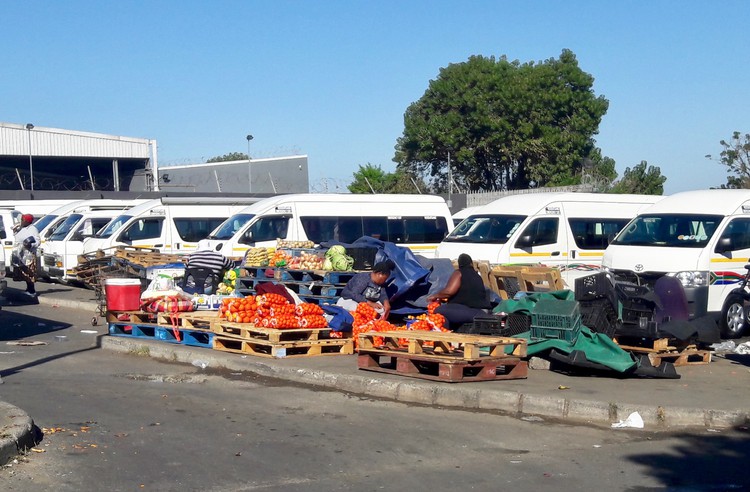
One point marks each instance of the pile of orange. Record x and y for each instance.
(272, 311)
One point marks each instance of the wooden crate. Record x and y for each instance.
(300, 348)
(447, 345)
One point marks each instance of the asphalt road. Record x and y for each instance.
(126, 422)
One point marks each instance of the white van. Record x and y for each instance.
(459, 216)
(418, 222)
(46, 225)
(59, 252)
(37, 208)
(168, 224)
(700, 237)
(568, 231)
(9, 218)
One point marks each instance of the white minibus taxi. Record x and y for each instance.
(568, 231)
(168, 224)
(700, 237)
(418, 222)
(59, 251)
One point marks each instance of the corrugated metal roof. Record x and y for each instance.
(15, 140)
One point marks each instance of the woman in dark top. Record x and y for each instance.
(464, 295)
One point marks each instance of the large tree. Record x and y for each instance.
(735, 155)
(372, 179)
(503, 124)
(642, 179)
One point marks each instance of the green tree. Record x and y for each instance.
(735, 155)
(371, 178)
(504, 124)
(643, 179)
(232, 156)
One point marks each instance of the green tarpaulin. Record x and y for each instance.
(598, 348)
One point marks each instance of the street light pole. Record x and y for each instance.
(450, 180)
(249, 171)
(30, 127)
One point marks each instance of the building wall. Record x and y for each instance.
(275, 175)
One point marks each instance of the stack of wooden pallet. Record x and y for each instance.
(245, 338)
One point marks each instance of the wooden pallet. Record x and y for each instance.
(449, 370)
(146, 257)
(451, 345)
(300, 348)
(670, 350)
(140, 317)
(250, 331)
(688, 357)
(196, 338)
(191, 320)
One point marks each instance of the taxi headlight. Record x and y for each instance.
(693, 278)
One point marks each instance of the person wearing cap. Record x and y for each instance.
(24, 256)
(464, 295)
(369, 287)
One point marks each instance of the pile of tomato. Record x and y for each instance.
(272, 311)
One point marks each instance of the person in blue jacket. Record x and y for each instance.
(369, 287)
(464, 295)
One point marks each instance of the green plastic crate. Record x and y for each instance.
(556, 319)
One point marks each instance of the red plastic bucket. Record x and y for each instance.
(122, 294)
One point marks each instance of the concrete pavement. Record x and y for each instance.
(706, 396)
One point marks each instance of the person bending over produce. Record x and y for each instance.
(369, 287)
(464, 294)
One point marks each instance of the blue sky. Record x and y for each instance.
(332, 79)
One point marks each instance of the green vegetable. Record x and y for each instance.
(335, 250)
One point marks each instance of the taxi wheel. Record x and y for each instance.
(733, 320)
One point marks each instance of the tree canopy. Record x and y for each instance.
(232, 156)
(643, 179)
(735, 155)
(372, 179)
(504, 124)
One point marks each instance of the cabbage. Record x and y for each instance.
(335, 250)
(327, 264)
(340, 262)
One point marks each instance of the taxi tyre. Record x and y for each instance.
(733, 321)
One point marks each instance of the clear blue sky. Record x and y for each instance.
(332, 79)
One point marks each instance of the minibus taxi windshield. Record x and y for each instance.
(113, 226)
(62, 231)
(492, 229)
(230, 226)
(669, 230)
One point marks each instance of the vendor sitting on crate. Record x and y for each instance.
(204, 270)
(369, 287)
(464, 295)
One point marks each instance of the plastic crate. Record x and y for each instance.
(364, 258)
(568, 334)
(554, 313)
(556, 319)
(594, 286)
(517, 323)
(600, 316)
(488, 324)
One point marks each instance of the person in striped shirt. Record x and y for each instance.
(209, 259)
